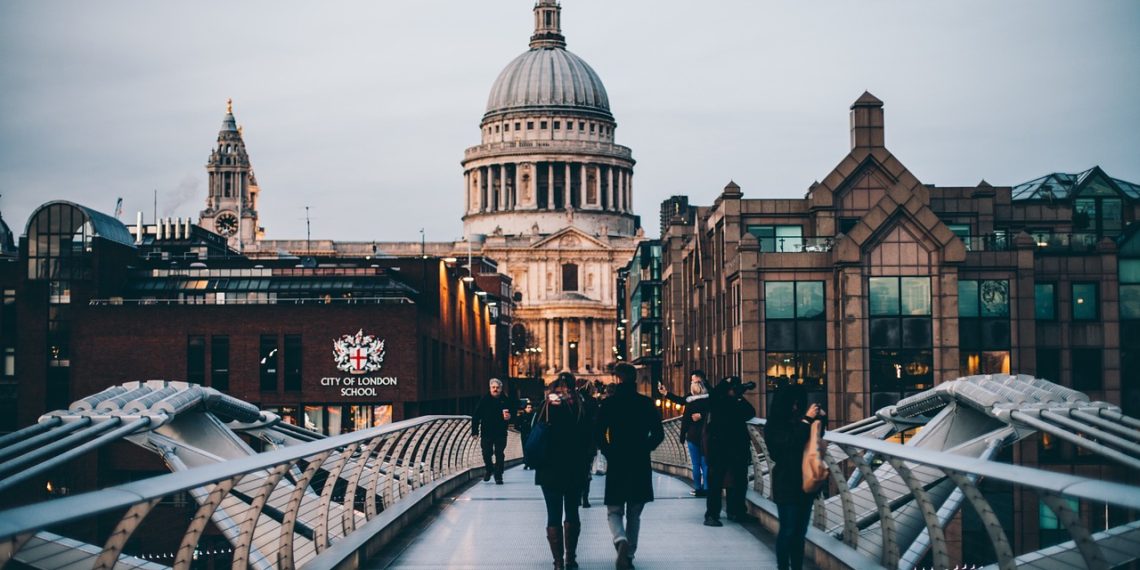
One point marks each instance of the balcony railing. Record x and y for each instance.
(1066, 243)
(989, 242)
(796, 244)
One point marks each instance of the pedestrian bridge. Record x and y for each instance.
(248, 490)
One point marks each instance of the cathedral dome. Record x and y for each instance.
(545, 78)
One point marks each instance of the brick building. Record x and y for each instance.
(876, 285)
(331, 346)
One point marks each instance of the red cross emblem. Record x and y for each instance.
(358, 358)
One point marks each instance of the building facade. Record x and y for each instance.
(332, 346)
(875, 285)
(548, 196)
(639, 313)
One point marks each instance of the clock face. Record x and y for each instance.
(226, 224)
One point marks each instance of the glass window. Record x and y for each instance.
(196, 359)
(267, 367)
(809, 299)
(915, 295)
(1130, 289)
(220, 363)
(884, 295)
(1049, 364)
(968, 298)
(779, 299)
(778, 238)
(1044, 302)
(1085, 302)
(292, 362)
(569, 277)
(1087, 364)
(989, 362)
(994, 297)
(1084, 214)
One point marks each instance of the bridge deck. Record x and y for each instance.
(501, 526)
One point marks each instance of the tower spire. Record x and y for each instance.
(547, 26)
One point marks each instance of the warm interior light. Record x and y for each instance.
(468, 279)
(450, 260)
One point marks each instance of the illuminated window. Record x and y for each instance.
(1085, 302)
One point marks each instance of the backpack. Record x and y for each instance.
(814, 469)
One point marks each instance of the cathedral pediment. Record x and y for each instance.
(569, 238)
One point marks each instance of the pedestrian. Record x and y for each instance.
(728, 449)
(523, 423)
(569, 441)
(590, 409)
(628, 429)
(494, 413)
(786, 435)
(693, 427)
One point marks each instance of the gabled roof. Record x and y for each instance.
(557, 237)
(1062, 186)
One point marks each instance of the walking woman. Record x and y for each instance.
(561, 478)
(786, 433)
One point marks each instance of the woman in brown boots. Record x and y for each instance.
(568, 441)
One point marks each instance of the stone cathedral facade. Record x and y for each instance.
(548, 194)
(549, 197)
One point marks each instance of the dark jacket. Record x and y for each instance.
(570, 438)
(696, 404)
(628, 429)
(786, 441)
(726, 433)
(523, 423)
(488, 417)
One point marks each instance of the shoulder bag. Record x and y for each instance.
(536, 448)
(814, 470)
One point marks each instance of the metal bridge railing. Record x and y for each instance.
(279, 509)
(892, 504)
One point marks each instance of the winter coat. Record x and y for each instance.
(523, 423)
(628, 429)
(786, 441)
(570, 439)
(488, 416)
(694, 430)
(726, 431)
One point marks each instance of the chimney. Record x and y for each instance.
(138, 229)
(867, 122)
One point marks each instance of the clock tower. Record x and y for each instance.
(231, 205)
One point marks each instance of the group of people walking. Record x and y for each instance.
(626, 427)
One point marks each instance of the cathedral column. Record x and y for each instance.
(566, 193)
(502, 180)
(610, 187)
(584, 185)
(619, 190)
(550, 186)
(548, 326)
(629, 190)
(565, 360)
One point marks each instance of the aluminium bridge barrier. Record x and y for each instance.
(888, 504)
(316, 504)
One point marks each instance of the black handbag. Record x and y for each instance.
(536, 448)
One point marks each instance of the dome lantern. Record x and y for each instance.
(547, 26)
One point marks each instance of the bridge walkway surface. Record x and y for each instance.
(502, 526)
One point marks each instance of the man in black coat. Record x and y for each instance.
(628, 429)
(729, 451)
(494, 414)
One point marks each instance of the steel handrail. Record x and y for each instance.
(343, 458)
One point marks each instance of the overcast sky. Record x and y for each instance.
(362, 110)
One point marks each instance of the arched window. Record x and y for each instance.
(569, 277)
